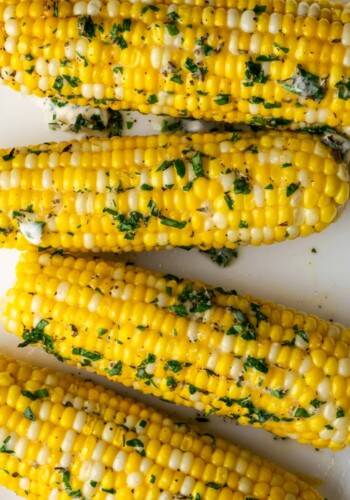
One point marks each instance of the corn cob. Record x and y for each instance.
(64, 438)
(268, 62)
(142, 193)
(188, 343)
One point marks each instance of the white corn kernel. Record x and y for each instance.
(68, 440)
(134, 479)
(344, 367)
(275, 23)
(120, 461)
(247, 22)
(10, 44)
(94, 7)
(80, 9)
(97, 471)
(9, 13)
(233, 18)
(12, 27)
(245, 485)
(187, 486)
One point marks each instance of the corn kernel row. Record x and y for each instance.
(143, 193)
(188, 343)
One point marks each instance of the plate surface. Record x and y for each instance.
(288, 273)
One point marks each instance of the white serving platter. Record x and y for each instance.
(288, 273)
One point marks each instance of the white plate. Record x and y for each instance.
(288, 272)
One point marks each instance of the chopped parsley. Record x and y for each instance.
(172, 29)
(222, 99)
(10, 156)
(291, 188)
(37, 335)
(279, 393)
(102, 331)
(241, 186)
(173, 365)
(254, 73)
(197, 70)
(128, 223)
(152, 99)
(305, 84)
(176, 79)
(28, 414)
(301, 333)
(301, 413)
(279, 47)
(138, 445)
(88, 356)
(116, 369)
(146, 8)
(256, 363)
(197, 164)
(343, 87)
(259, 9)
(269, 58)
(3, 448)
(223, 257)
(39, 394)
(66, 482)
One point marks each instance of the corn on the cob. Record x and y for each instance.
(136, 193)
(65, 438)
(188, 343)
(263, 62)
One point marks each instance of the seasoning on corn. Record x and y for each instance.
(189, 343)
(265, 63)
(61, 437)
(142, 193)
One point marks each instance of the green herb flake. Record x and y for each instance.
(116, 369)
(146, 8)
(254, 73)
(173, 365)
(272, 105)
(102, 331)
(286, 165)
(214, 486)
(256, 363)
(109, 490)
(340, 413)
(222, 99)
(316, 403)
(305, 84)
(243, 224)
(10, 156)
(279, 47)
(87, 355)
(268, 58)
(93, 484)
(172, 29)
(229, 202)
(66, 482)
(152, 99)
(279, 393)
(28, 414)
(176, 79)
(269, 187)
(291, 188)
(198, 71)
(223, 257)
(343, 87)
(197, 164)
(301, 413)
(301, 333)
(33, 396)
(3, 448)
(241, 186)
(170, 382)
(259, 9)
